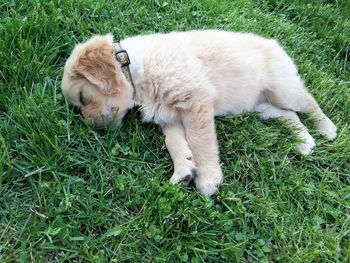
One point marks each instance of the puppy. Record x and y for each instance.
(181, 80)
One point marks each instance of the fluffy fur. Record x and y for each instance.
(182, 80)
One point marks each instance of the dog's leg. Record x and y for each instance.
(267, 111)
(175, 140)
(201, 137)
(291, 94)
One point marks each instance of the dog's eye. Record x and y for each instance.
(81, 98)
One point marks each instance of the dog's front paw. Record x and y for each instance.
(208, 183)
(184, 173)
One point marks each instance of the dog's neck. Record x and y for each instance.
(122, 57)
(136, 57)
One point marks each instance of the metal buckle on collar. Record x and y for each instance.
(124, 59)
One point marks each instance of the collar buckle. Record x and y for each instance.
(122, 57)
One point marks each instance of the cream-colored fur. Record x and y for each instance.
(183, 79)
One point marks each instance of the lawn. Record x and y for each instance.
(70, 193)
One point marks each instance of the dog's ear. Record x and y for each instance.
(96, 63)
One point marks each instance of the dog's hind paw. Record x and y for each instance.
(305, 148)
(327, 128)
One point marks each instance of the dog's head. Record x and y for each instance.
(94, 82)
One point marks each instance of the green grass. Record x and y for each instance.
(71, 193)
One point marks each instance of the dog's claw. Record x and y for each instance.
(186, 180)
(184, 176)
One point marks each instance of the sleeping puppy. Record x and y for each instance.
(181, 80)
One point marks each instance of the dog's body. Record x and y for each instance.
(183, 79)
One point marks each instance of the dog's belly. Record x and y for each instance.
(235, 106)
(236, 100)
(238, 90)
